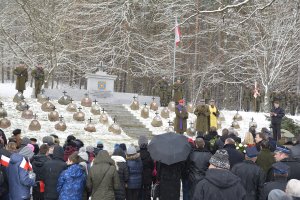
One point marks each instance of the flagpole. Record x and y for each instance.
(174, 55)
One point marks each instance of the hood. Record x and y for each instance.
(39, 160)
(221, 178)
(75, 171)
(103, 157)
(133, 157)
(15, 158)
(58, 152)
(118, 159)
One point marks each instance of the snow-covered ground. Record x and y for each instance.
(7, 92)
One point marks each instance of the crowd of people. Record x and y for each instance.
(218, 167)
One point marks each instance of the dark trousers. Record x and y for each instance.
(186, 188)
(132, 194)
(145, 193)
(276, 131)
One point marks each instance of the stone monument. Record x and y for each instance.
(145, 112)
(53, 116)
(61, 125)
(71, 107)
(79, 116)
(165, 113)
(135, 104)
(18, 97)
(95, 109)
(86, 101)
(156, 122)
(27, 114)
(35, 124)
(153, 105)
(65, 99)
(103, 117)
(3, 112)
(115, 128)
(191, 131)
(237, 116)
(90, 127)
(22, 105)
(47, 106)
(5, 123)
(171, 106)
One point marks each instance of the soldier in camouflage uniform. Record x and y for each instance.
(163, 87)
(247, 97)
(39, 76)
(22, 77)
(178, 91)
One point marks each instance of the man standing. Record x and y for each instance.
(178, 91)
(39, 76)
(214, 114)
(276, 114)
(293, 101)
(246, 98)
(182, 115)
(252, 176)
(22, 77)
(202, 113)
(163, 91)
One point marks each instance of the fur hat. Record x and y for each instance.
(131, 150)
(220, 159)
(293, 188)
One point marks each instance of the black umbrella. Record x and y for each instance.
(169, 148)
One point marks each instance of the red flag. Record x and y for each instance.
(4, 161)
(177, 33)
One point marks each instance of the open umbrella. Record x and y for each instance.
(169, 148)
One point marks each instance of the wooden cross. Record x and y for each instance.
(134, 97)
(79, 109)
(61, 118)
(53, 108)
(27, 107)
(115, 119)
(64, 92)
(153, 98)
(1, 104)
(90, 120)
(35, 116)
(170, 123)
(156, 113)
(95, 101)
(103, 110)
(71, 100)
(145, 104)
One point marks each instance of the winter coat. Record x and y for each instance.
(3, 171)
(22, 78)
(202, 113)
(252, 178)
(213, 117)
(265, 160)
(169, 177)
(198, 165)
(38, 162)
(148, 166)
(294, 171)
(135, 169)
(71, 183)
(178, 92)
(280, 114)
(210, 140)
(18, 179)
(103, 178)
(51, 171)
(122, 169)
(235, 138)
(296, 152)
(220, 142)
(180, 122)
(68, 151)
(219, 184)
(235, 156)
(269, 186)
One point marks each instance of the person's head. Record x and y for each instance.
(56, 139)
(100, 144)
(293, 188)
(277, 194)
(220, 160)
(11, 146)
(49, 140)
(281, 153)
(3, 138)
(181, 102)
(248, 139)
(225, 132)
(280, 170)
(131, 150)
(22, 64)
(229, 141)
(83, 154)
(259, 137)
(119, 152)
(276, 104)
(251, 153)
(213, 129)
(44, 149)
(202, 102)
(26, 152)
(143, 141)
(123, 147)
(33, 140)
(73, 158)
(212, 102)
(17, 133)
(39, 65)
(199, 143)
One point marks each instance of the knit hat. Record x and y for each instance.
(31, 147)
(220, 159)
(82, 153)
(131, 150)
(48, 140)
(25, 141)
(116, 146)
(119, 152)
(26, 152)
(100, 144)
(142, 140)
(293, 188)
(278, 194)
(90, 149)
(251, 152)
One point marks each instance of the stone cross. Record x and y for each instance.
(53, 108)
(1, 104)
(90, 120)
(103, 110)
(27, 107)
(95, 101)
(153, 98)
(61, 118)
(64, 92)
(79, 109)
(134, 97)
(145, 104)
(170, 123)
(115, 119)
(71, 100)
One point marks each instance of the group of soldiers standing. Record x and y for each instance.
(37, 73)
(288, 100)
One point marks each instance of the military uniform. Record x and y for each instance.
(163, 92)
(178, 92)
(39, 76)
(247, 97)
(22, 78)
(202, 112)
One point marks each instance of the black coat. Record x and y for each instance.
(51, 172)
(148, 166)
(123, 176)
(235, 156)
(235, 138)
(280, 114)
(219, 184)
(294, 171)
(4, 185)
(296, 152)
(198, 165)
(220, 142)
(269, 186)
(38, 162)
(169, 177)
(252, 178)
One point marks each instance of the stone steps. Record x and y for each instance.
(127, 121)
